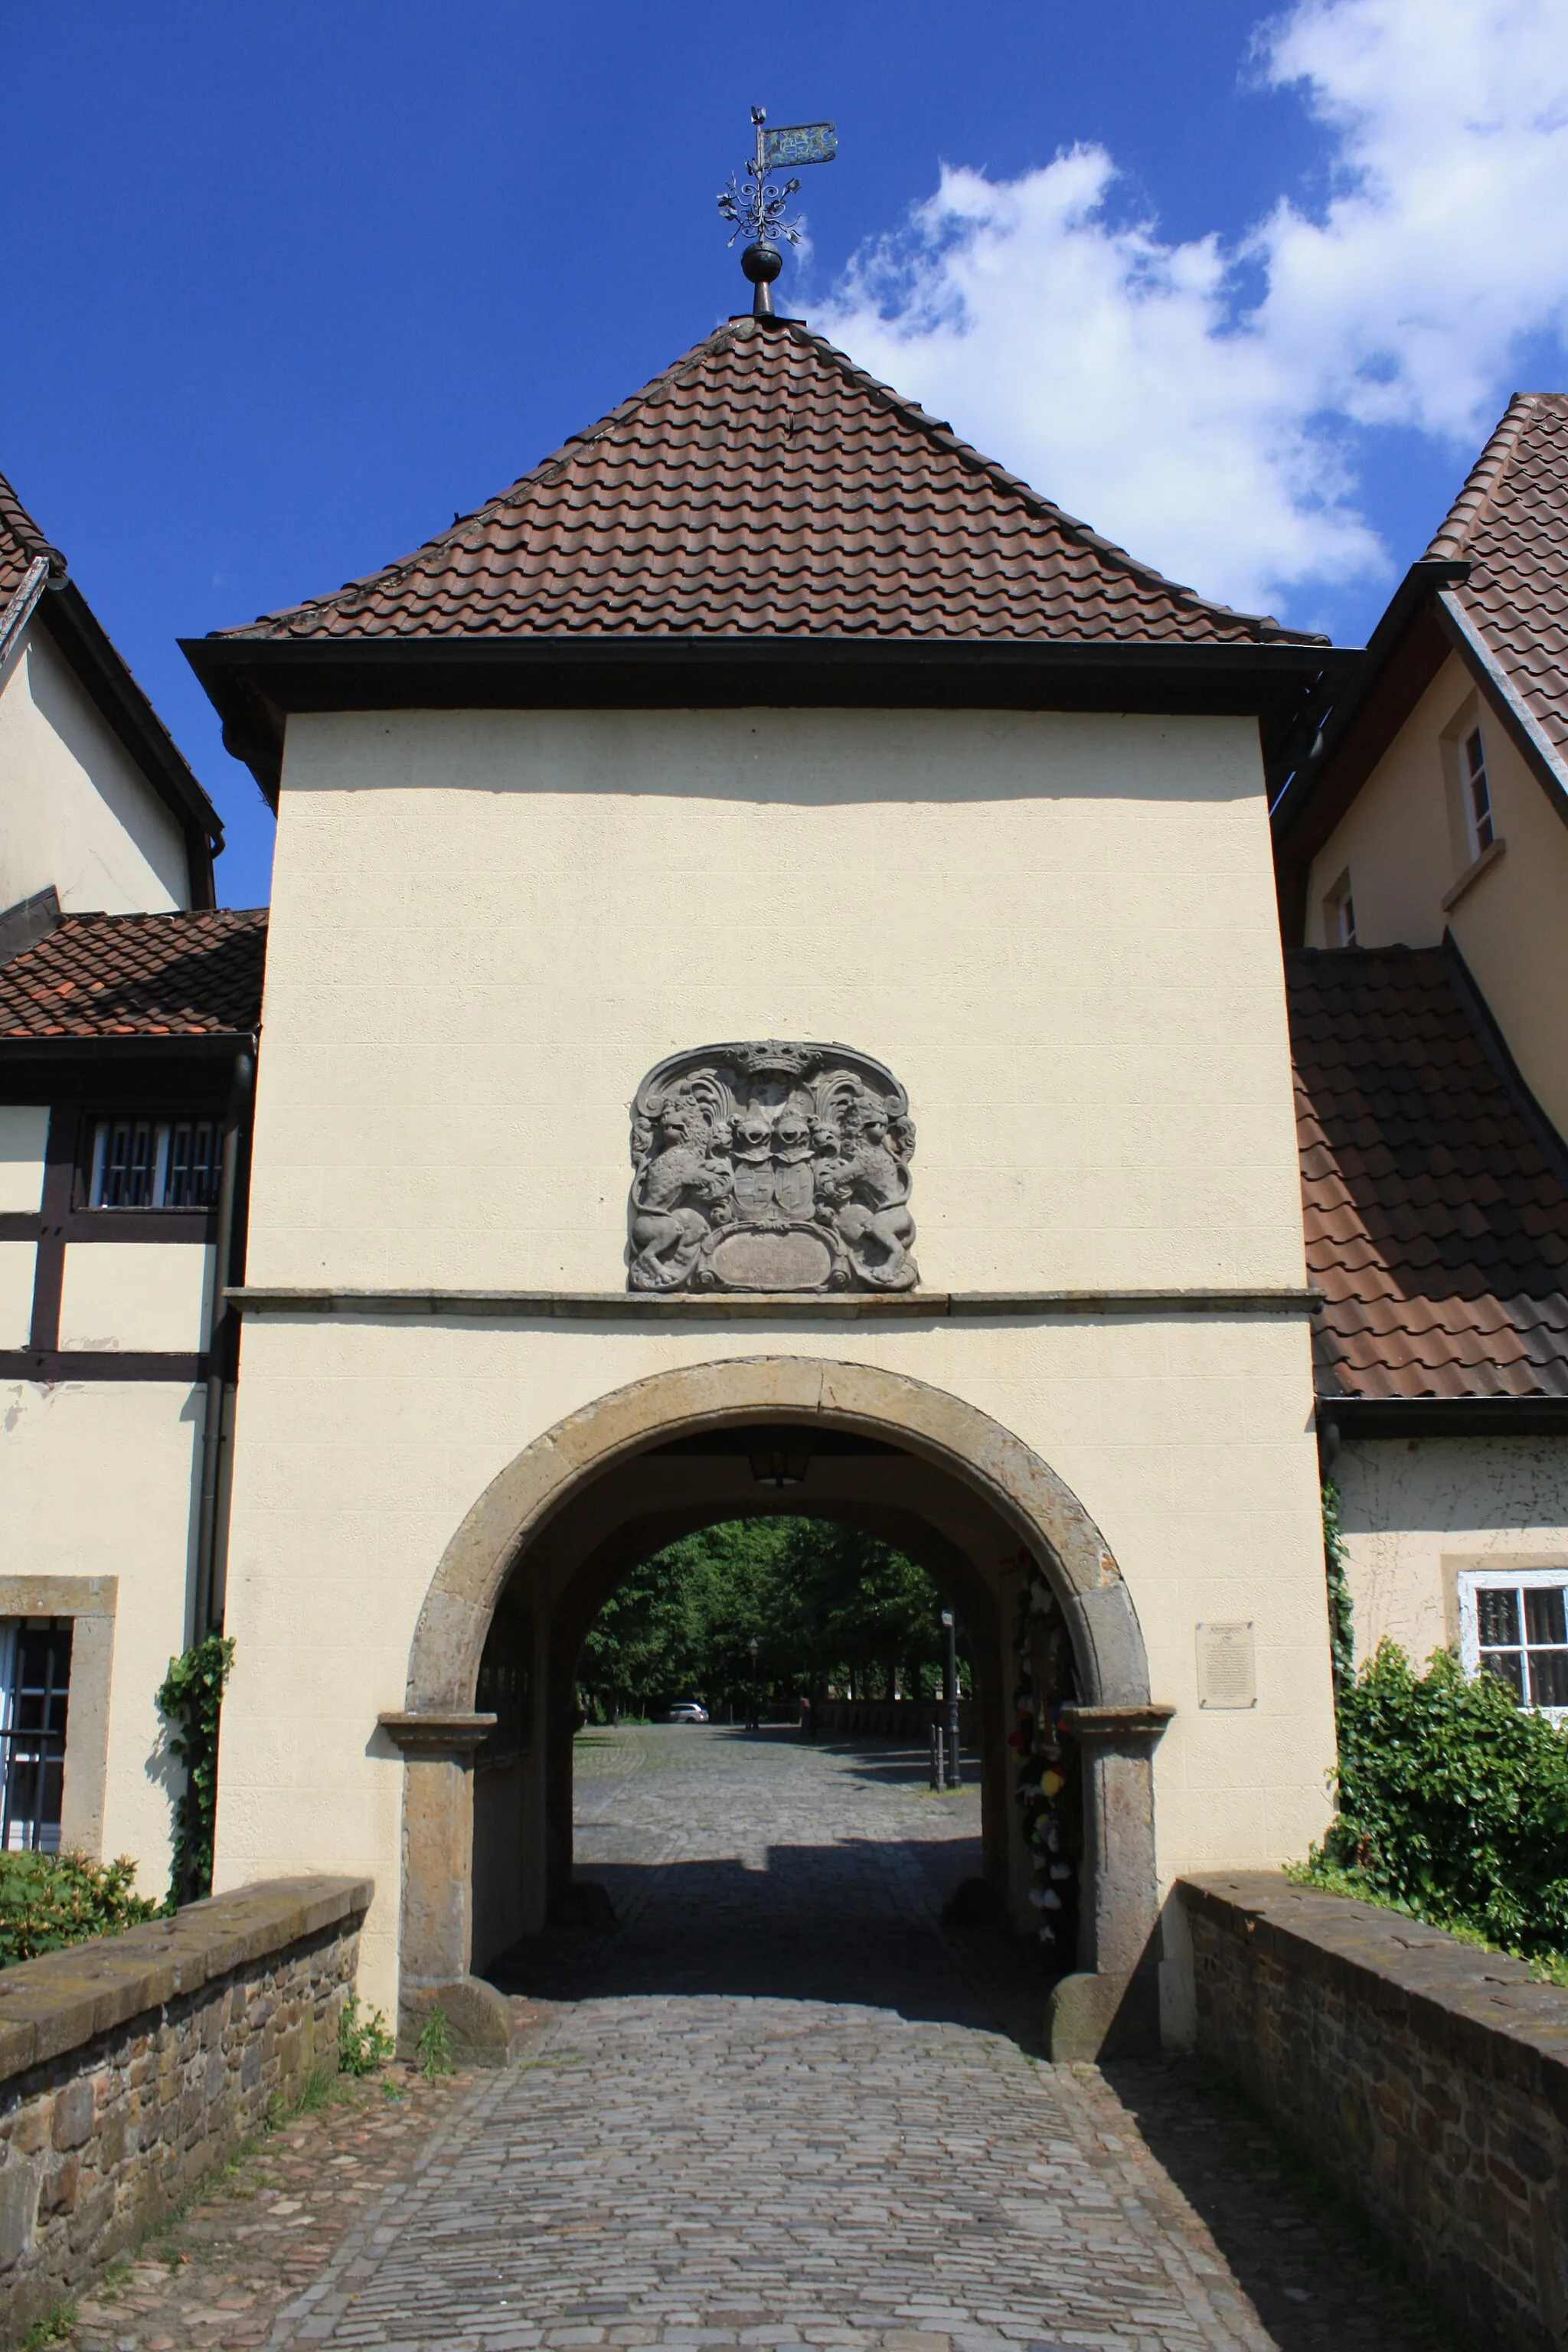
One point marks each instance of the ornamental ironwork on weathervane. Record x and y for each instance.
(754, 206)
(771, 1167)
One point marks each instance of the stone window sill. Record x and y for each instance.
(1473, 872)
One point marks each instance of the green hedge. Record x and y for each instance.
(49, 1900)
(1453, 1803)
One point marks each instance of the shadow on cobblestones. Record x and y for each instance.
(1316, 2270)
(702, 1928)
(762, 1866)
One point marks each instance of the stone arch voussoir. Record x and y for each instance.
(1024, 1490)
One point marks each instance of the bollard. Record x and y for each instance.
(936, 1757)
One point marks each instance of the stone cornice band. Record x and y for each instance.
(792, 1306)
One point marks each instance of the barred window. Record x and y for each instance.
(34, 1693)
(155, 1164)
(1516, 1627)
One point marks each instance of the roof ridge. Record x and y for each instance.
(1479, 489)
(965, 451)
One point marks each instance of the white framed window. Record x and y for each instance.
(1476, 791)
(1513, 1622)
(155, 1163)
(35, 1696)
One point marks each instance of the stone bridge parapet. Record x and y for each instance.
(131, 2066)
(1428, 2078)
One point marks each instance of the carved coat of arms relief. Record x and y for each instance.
(769, 1167)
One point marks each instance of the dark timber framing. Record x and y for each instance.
(79, 1079)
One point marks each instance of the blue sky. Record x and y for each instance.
(287, 285)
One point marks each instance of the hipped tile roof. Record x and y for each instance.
(1509, 522)
(166, 975)
(1435, 1206)
(763, 484)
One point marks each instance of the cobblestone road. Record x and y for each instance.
(778, 2105)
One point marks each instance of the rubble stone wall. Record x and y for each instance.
(131, 2066)
(1428, 2079)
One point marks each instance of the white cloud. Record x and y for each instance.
(1194, 400)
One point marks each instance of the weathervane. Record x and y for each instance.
(755, 205)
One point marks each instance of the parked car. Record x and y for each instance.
(687, 1711)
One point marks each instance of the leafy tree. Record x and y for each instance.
(827, 1606)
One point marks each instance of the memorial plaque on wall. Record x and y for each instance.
(1228, 1675)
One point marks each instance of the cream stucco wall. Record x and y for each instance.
(136, 1295)
(99, 1480)
(75, 809)
(16, 1265)
(361, 1446)
(1060, 933)
(1058, 930)
(1417, 1511)
(1403, 844)
(24, 1135)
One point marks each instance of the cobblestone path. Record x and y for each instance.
(778, 2105)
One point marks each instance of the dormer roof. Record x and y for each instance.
(762, 523)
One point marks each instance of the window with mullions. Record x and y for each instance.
(34, 1692)
(155, 1164)
(1478, 792)
(1515, 1625)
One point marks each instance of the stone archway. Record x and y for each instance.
(563, 1499)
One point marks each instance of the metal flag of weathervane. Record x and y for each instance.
(754, 206)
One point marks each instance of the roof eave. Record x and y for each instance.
(1540, 753)
(256, 683)
(155, 1045)
(1446, 1416)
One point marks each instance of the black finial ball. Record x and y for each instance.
(761, 263)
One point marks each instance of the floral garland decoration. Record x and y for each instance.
(1047, 1792)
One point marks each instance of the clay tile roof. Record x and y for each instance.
(1509, 522)
(764, 485)
(168, 975)
(1436, 1197)
(21, 544)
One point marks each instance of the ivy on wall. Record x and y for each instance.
(190, 1698)
(1342, 1622)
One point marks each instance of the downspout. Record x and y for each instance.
(206, 1618)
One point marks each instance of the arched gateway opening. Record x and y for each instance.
(485, 1857)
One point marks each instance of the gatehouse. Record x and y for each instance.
(773, 1001)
